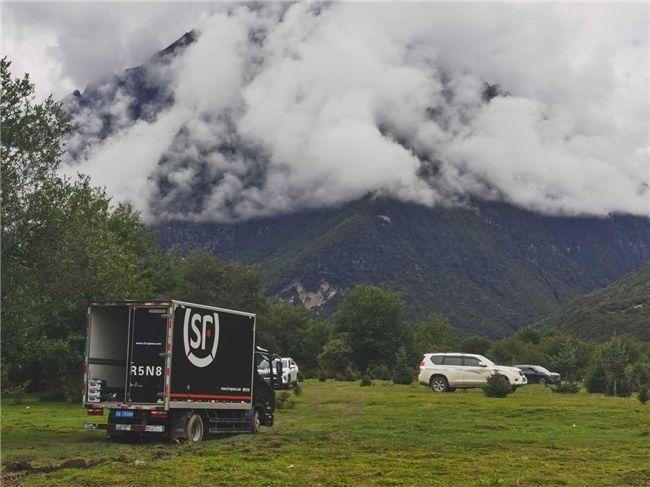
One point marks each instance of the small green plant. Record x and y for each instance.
(366, 381)
(497, 386)
(643, 395)
(297, 389)
(567, 388)
(283, 400)
(322, 376)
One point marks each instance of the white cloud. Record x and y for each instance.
(289, 106)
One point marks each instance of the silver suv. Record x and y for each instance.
(444, 372)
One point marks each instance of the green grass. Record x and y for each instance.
(339, 433)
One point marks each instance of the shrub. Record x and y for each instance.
(644, 395)
(567, 387)
(283, 400)
(297, 389)
(322, 376)
(366, 381)
(381, 372)
(350, 375)
(497, 386)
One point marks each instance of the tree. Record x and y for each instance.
(203, 278)
(335, 357)
(63, 245)
(372, 319)
(615, 359)
(403, 367)
(435, 334)
(565, 359)
(476, 344)
(282, 327)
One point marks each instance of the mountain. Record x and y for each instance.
(490, 268)
(119, 101)
(621, 308)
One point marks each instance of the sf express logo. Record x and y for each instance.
(201, 337)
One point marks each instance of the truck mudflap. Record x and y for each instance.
(135, 428)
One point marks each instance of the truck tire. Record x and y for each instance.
(194, 430)
(255, 422)
(438, 383)
(115, 435)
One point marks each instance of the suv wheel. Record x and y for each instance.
(438, 383)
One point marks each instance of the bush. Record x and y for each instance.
(596, 379)
(497, 386)
(322, 376)
(297, 389)
(350, 374)
(403, 376)
(381, 372)
(366, 381)
(283, 400)
(644, 395)
(567, 388)
(17, 392)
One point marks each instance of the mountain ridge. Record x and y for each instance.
(490, 269)
(622, 308)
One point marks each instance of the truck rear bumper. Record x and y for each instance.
(134, 428)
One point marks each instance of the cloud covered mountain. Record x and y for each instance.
(270, 109)
(490, 162)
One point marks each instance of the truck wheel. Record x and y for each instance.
(115, 435)
(255, 422)
(194, 430)
(438, 383)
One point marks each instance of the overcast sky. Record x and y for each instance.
(334, 102)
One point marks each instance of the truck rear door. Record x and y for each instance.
(147, 355)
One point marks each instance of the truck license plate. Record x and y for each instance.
(123, 414)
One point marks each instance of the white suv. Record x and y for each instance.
(289, 371)
(448, 371)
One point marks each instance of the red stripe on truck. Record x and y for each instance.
(209, 396)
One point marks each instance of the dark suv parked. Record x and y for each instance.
(536, 374)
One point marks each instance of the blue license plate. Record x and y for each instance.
(123, 414)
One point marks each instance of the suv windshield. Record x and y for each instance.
(542, 369)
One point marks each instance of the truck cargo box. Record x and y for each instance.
(168, 354)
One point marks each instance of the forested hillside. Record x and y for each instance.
(490, 268)
(621, 308)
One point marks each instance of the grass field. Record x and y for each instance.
(337, 433)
